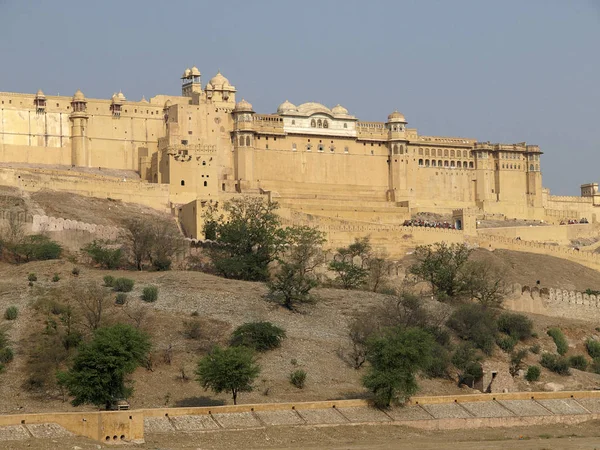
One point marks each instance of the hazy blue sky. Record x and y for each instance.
(503, 71)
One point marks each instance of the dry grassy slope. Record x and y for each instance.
(314, 337)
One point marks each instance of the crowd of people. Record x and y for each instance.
(573, 221)
(428, 224)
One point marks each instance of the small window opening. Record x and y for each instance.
(183, 182)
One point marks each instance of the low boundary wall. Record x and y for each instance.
(113, 427)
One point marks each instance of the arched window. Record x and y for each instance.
(452, 153)
(426, 163)
(465, 154)
(395, 149)
(440, 163)
(319, 123)
(503, 166)
(346, 149)
(426, 152)
(531, 167)
(420, 152)
(402, 150)
(321, 147)
(293, 122)
(439, 152)
(313, 123)
(464, 164)
(519, 167)
(433, 164)
(293, 147)
(345, 125)
(470, 164)
(537, 167)
(183, 182)
(241, 141)
(452, 164)
(445, 163)
(203, 163)
(446, 153)
(325, 124)
(247, 141)
(205, 183)
(420, 163)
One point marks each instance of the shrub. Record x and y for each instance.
(195, 313)
(123, 284)
(6, 355)
(261, 336)
(467, 360)
(37, 247)
(298, 378)
(75, 271)
(30, 284)
(535, 349)
(507, 343)
(11, 313)
(109, 258)
(578, 362)
(533, 373)
(595, 365)
(32, 277)
(517, 326)
(562, 346)
(475, 323)
(556, 363)
(516, 361)
(150, 294)
(162, 264)
(121, 298)
(109, 280)
(56, 278)
(593, 348)
(192, 329)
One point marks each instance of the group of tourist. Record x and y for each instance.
(428, 224)
(573, 221)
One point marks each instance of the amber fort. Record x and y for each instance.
(322, 165)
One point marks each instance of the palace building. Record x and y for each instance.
(205, 144)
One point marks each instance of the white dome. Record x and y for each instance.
(286, 106)
(339, 110)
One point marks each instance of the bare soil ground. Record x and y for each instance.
(583, 436)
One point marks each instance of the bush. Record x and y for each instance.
(162, 264)
(517, 326)
(562, 346)
(6, 355)
(109, 280)
(37, 247)
(467, 360)
(56, 278)
(507, 343)
(535, 349)
(32, 277)
(121, 298)
(75, 271)
(123, 285)
(109, 258)
(476, 324)
(533, 373)
(261, 336)
(150, 294)
(595, 365)
(593, 348)
(192, 329)
(11, 313)
(298, 378)
(578, 362)
(556, 363)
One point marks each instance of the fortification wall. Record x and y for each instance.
(134, 191)
(555, 303)
(552, 233)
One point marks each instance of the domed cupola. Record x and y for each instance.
(396, 117)
(339, 110)
(243, 106)
(286, 107)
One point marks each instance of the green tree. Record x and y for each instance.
(249, 237)
(441, 266)
(483, 282)
(351, 264)
(296, 277)
(395, 357)
(232, 369)
(99, 370)
(476, 324)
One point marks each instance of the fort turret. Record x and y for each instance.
(79, 121)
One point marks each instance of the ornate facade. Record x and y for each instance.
(205, 145)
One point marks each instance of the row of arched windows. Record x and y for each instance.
(319, 123)
(451, 164)
(445, 153)
(245, 140)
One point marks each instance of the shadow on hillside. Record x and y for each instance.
(191, 402)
